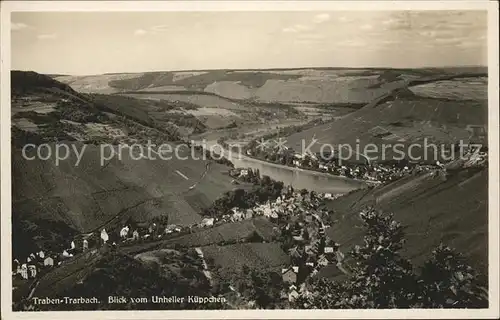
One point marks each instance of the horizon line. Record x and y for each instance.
(256, 69)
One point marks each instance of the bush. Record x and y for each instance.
(449, 282)
(381, 278)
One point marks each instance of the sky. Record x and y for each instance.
(84, 43)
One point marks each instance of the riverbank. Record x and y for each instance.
(317, 172)
(297, 177)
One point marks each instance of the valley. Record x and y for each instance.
(262, 214)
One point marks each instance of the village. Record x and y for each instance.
(298, 217)
(371, 172)
(299, 227)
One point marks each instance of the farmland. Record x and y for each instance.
(216, 112)
(217, 235)
(284, 85)
(55, 199)
(96, 83)
(204, 100)
(403, 117)
(56, 202)
(95, 194)
(235, 256)
(251, 98)
(456, 89)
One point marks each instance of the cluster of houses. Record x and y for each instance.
(301, 228)
(38, 263)
(152, 232)
(309, 247)
(30, 268)
(475, 157)
(289, 203)
(42, 261)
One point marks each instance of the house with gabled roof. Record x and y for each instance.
(289, 275)
(293, 295)
(48, 262)
(323, 261)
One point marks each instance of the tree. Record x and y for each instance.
(259, 285)
(450, 282)
(381, 278)
(161, 220)
(313, 195)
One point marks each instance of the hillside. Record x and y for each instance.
(104, 273)
(284, 86)
(218, 235)
(52, 201)
(409, 115)
(264, 99)
(25, 82)
(452, 210)
(314, 84)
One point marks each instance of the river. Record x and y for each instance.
(297, 178)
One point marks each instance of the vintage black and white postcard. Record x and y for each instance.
(204, 159)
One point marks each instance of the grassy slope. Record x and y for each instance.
(200, 81)
(261, 255)
(89, 196)
(315, 85)
(407, 116)
(51, 199)
(453, 211)
(229, 232)
(249, 78)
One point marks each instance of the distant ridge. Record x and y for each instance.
(482, 69)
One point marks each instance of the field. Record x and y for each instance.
(253, 255)
(96, 83)
(225, 233)
(218, 112)
(285, 85)
(169, 261)
(453, 211)
(240, 98)
(317, 86)
(456, 89)
(203, 100)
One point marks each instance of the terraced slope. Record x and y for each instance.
(404, 117)
(54, 201)
(452, 210)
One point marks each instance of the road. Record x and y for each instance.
(181, 174)
(206, 272)
(207, 168)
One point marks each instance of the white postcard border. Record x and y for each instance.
(493, 125)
